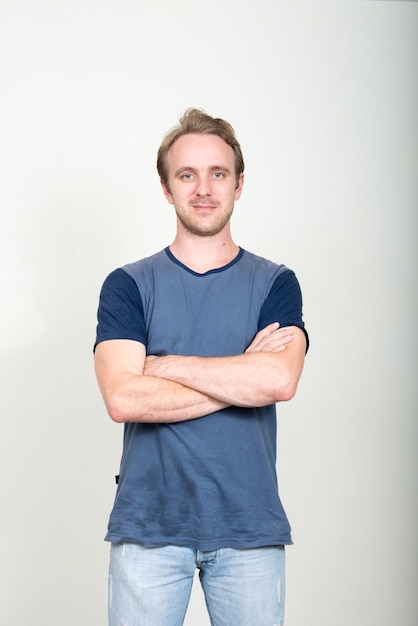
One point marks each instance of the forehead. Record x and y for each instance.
(200, 150)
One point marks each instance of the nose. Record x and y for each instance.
(203, 186)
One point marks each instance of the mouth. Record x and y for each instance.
(203, 206)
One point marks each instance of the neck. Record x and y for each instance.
(202, 254)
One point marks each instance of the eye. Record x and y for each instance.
(219, 175)
(186, 176)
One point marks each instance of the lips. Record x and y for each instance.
(203, 205)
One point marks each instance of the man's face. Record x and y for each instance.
(202, 184)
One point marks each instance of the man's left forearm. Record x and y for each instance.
(250, 379)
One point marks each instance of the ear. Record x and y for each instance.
(239, 187)
(167, 193)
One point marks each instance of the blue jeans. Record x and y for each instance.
(151, 586)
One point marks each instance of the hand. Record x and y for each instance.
(272, 338)
(151, 365)
(156, 365)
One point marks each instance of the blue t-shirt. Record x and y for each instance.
(211, 482)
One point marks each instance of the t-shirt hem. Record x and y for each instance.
(204, 546)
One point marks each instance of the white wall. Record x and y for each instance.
(324, 98)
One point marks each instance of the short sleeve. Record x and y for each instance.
(120, 314)
(284, 304)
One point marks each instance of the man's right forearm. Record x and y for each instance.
(140, 398)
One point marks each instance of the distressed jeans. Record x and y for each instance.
(151, 586)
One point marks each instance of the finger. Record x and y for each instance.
(275, 342)
(280, 337)
(270, 328)
(262, 334)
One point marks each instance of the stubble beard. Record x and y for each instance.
(199, 227)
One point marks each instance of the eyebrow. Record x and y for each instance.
(212, 168)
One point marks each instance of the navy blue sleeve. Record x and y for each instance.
(284, 304)
(121, 313)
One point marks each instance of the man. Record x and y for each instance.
(195, 345)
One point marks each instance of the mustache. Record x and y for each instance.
(201, 202)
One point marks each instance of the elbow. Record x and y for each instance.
(117, 410)
(287, 393)
(285, 390)
(286, 382)
(121, 410)
(117, 417)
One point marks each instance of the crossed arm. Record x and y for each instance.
(140, 388)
